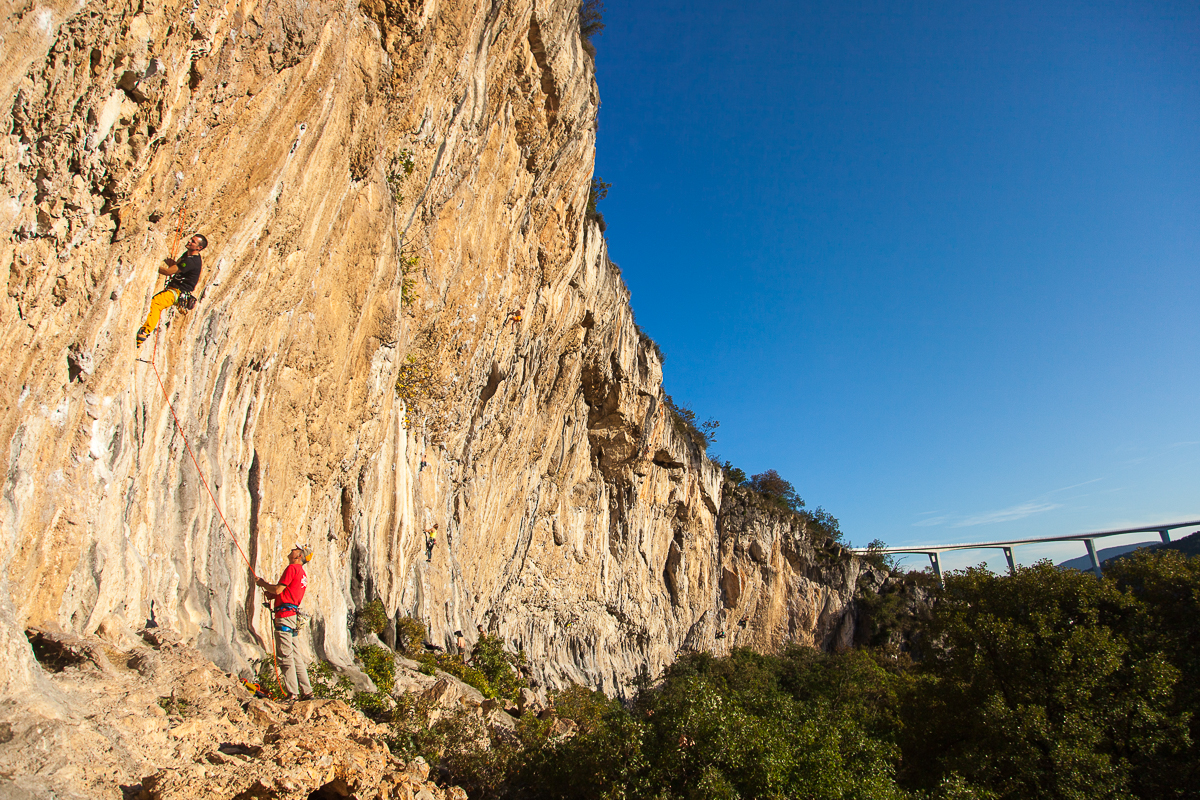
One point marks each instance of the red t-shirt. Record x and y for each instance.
(295, 582)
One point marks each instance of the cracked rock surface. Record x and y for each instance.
(150, 717)
(406, 319)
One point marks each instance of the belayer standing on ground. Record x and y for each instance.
(182, 276)
(288, 594)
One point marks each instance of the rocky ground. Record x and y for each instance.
(146, 716)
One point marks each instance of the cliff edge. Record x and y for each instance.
(405, 319)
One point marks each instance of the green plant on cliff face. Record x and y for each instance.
(454, 665)
(414, 380)
(597, 192)
(410, 635)
(822, 523)
(501, 668)
(684, 419)
(591, 23)
(328, 685)
(401, 167)
(408, 284)
(371, 618)
(772, 486)
(733, 474)
(877, 558)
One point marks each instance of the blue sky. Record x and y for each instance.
(937, 263)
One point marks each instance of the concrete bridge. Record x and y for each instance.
(1088, 539)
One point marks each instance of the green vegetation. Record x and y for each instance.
(598, 192)
(371, 618)
(414, 381)
(774, 488)
(400, 167)
(1045, 684)
(174, 705)
(684, 419)
(782, 494)
(591, 23)
(408, 284)
(410, 635)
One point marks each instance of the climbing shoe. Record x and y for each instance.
(142, 336)
(308, 696)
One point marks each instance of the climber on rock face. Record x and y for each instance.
(288, 593)
(430, 541)
(182, 276)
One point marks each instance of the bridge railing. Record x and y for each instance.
(1088, 539)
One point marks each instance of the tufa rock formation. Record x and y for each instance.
(383, 184)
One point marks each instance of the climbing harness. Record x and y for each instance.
(185, 302)
(300, 617)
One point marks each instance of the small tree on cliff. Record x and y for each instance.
(591, 23)
(773, 487)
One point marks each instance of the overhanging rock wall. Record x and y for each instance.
(383, 184)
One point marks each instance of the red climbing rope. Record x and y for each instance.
(211, 496)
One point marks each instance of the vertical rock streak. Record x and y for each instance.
(383, 184)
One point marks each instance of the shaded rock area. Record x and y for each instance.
(157, 720)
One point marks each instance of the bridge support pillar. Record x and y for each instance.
(1165, 533)
(1012, 566)
(937, 568)
(1091, 548)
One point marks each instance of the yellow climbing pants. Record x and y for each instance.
(161, 302)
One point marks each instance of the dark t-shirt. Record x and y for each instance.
(188, 276)
(296, 582)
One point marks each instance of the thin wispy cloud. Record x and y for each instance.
(1072, 486)
(931, 521)
(1007, 514)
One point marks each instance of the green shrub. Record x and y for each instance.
(591, 19)
(500, 668)
(410, 636)
(733, 474)
(401, 167)
(379, 664)
(775, 489)
(822, 523)
(371, 618)
(702, 434)
(327, 684)
(597, 192)
(468, 674)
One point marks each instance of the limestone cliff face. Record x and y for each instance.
(382, 183)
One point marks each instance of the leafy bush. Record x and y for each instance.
(501, 668)
(380, 666)
(327, 684)
(371, 618)
(410, 636)
(597, 192)
(774, 488)
(454, 665)
(400, 167)
(734, 475)
(591, 18)
(415, 379)
(822, 523)
(684, 419)
(1046, 684)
